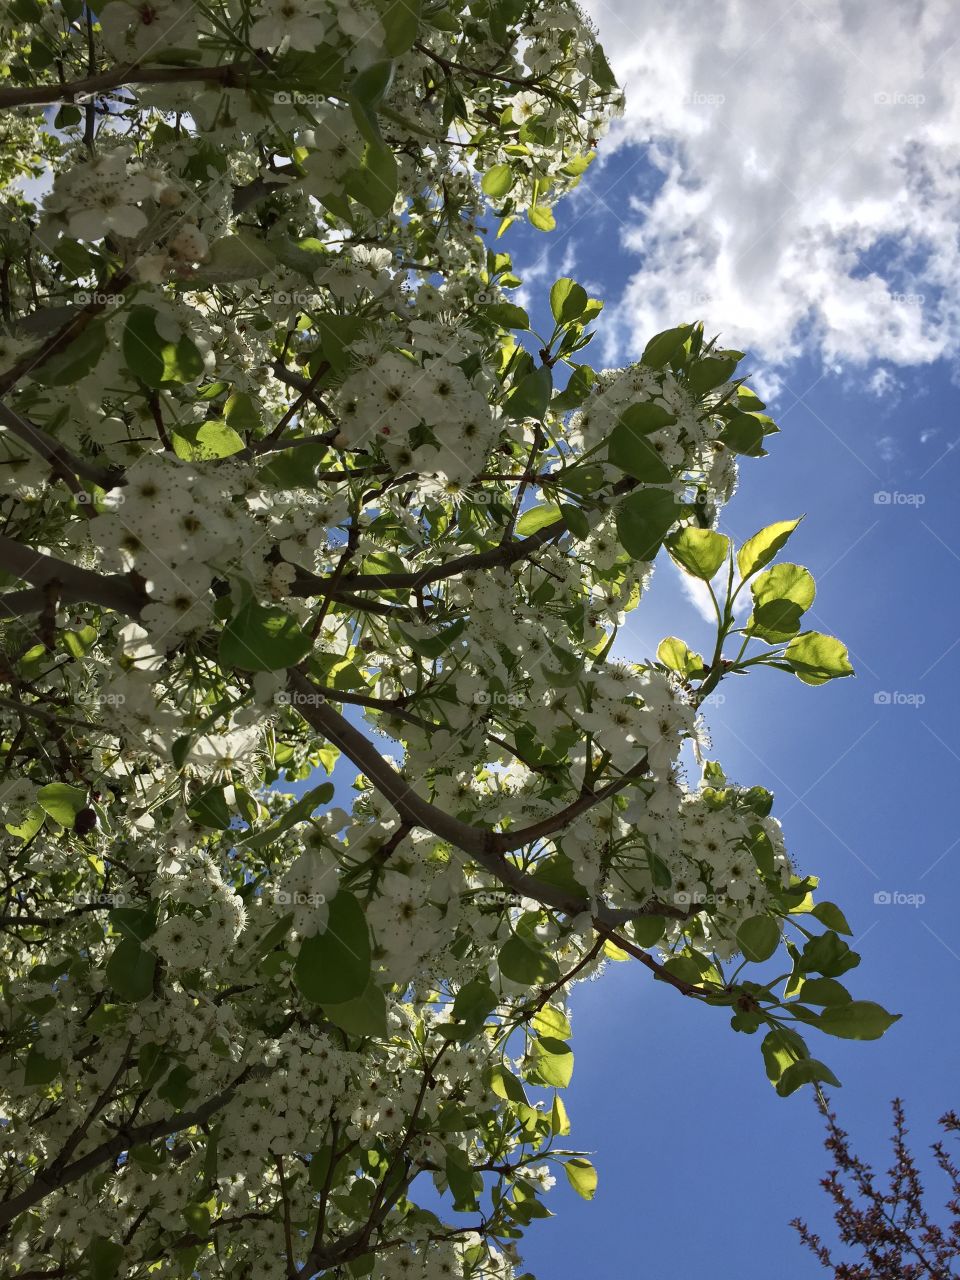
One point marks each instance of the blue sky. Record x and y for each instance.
(699, 1160)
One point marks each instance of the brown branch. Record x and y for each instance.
(231, 75)
(57, 454)
(70, 583)
(45, 1180)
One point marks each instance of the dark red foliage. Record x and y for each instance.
(888, 1230)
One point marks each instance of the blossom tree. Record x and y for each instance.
(289, 480)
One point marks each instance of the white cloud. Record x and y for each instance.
(810, 161)
(698, 595)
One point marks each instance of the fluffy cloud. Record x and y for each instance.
(809, 174)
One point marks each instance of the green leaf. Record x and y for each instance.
(665, 346)
(700, 551)
(827, 954)
(507, 314)
(537, 518)
(521, 961)
(374, 183)
(78, 359)
(243, 412)
(541, 217)
(103, 1258)
(156, 360)
(648, 930)
(576, 390)
(263, 638)
(554, 1061)
(856, 1020)
(758, 938)
(177, 1089)
(39, 1069)
(744, 433)
(807, 1071)
(506, 1085)
(559, 1120)
(641, 419)
(576, 521)
(62, 802)
(460, 1179)
(824, 991)
(212, 439)
(210, 809)
(763, 546)
(496, 182)
(243, 256)
(816, 658)
(633, 453)
(567, 300)
(782, 1047)
(130, 970)
(582, 1176)
(299, 811)
(371, 85)
(675, 654)
(530, 398)
(643, 520)
(31, 824)
(830, 915)
(474, 1001)
(197, 1217)
(710, 372)
(784, 584)
(551, 1021)
(364, 1016)
(400, 21)
(334, 966)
